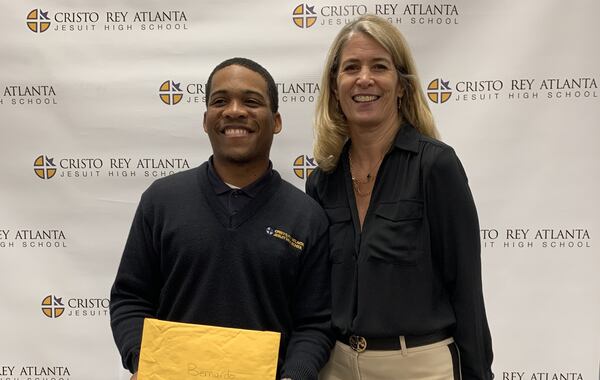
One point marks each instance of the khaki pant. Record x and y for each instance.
(436, 361)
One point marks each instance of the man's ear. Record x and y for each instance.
(204, 122)
(278, 124)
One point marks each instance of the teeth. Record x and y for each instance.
(365, 98)
(235, 132)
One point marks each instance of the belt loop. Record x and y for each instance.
(403, 346)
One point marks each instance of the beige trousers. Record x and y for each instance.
(436, 361)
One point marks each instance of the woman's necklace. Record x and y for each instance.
(357, 182)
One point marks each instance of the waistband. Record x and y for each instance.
(360, 343)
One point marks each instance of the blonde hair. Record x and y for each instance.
(331, 129)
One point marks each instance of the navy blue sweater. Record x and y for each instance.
(264, 268)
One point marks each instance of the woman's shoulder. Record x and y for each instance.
(319, 177)
(435, 153)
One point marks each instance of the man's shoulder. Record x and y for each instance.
(293, 194)
(298, 201)
(175, 184)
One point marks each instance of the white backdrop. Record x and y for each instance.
(81, 103)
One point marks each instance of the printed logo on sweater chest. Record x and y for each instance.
(282, 235)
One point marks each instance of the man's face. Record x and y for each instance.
(238, 118)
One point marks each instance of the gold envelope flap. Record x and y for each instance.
(179, 351)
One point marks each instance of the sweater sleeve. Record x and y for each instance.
(311, 340)
(455, 239)
(135, 292)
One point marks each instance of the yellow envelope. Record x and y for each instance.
(179, 351)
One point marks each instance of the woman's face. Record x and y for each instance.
(367, 85)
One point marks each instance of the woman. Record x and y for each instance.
(404, 235)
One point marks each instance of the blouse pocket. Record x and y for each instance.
(340, 237)
(395, 234)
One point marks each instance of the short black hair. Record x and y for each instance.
(251, 65)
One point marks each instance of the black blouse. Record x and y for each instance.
(415, 267)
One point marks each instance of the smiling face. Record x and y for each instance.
(238, 118)
(367, 84)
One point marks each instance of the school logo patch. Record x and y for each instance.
(282, 235)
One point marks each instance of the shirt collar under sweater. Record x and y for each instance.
(234, 199)
(250, 190)
(272, 182)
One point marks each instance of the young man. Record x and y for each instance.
(229, 243)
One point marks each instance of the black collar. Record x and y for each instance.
(272, 183)
(250, 190)
(407, 138)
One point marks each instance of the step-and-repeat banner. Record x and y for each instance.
(99, 99)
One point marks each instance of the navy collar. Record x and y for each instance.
(250, 190)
